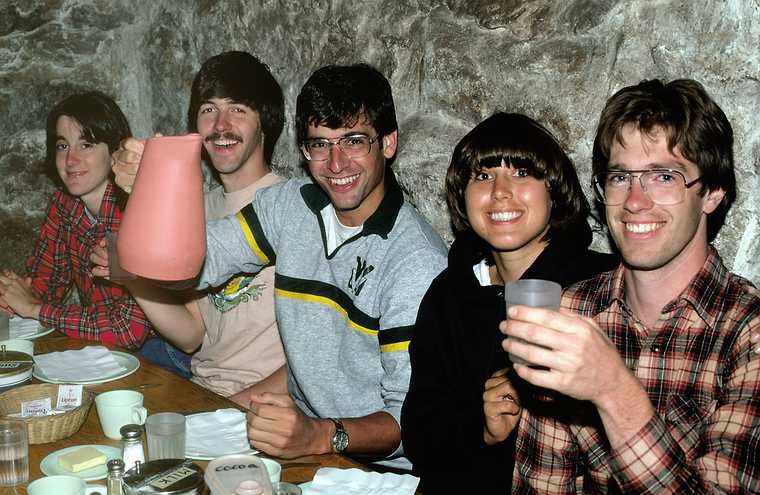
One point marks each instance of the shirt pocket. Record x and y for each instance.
(687, 420)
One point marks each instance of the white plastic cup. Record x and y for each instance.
(14, 452)
(166, 436)
(57, 485)
(531, 292)
(118, 408)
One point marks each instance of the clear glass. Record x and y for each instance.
(166, 436)
(354, 146)
(662, 186)
(14, 453)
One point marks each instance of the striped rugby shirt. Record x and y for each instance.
(345, 317)
(702, 377)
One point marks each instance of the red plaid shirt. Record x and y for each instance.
(106, 312)
(702, 377)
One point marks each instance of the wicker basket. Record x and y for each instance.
(45, 429)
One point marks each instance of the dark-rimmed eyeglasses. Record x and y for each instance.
(353, 146)
(664, 186)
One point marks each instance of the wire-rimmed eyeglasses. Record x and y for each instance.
(353, 145)
(664, 186)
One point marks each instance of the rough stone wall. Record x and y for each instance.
(451, 63)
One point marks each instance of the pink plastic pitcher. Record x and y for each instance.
(163, 231)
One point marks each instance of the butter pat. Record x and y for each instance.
(81, 459)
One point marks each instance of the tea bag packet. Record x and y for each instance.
(69, 397)
(78, 365)
(217, 433)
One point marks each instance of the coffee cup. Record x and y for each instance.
(273, 468)
(118, 408)
(57, 485)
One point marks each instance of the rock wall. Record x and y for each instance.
(451, 63)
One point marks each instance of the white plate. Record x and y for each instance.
(49, 465)
(305, 487)
(40, 331)
(128, 361)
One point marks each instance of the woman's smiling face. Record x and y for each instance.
(508, 208)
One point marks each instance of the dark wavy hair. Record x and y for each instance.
(101, 119)
(694, 123)
(245, 79)
(523, 143)
(338, 96)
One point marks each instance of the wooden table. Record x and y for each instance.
(164, 392)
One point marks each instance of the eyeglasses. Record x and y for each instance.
(664, 186)
(354, 146)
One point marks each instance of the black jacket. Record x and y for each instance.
(455, 348)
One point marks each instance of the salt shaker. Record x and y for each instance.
(132, 446)
(115, 482)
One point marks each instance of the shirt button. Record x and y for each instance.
(656, 348)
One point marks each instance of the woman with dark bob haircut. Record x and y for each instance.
(82, 132)
(518, 212)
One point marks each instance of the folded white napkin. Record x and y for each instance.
(357, 482)
(22, 327)
(218, 433)
(88, 363)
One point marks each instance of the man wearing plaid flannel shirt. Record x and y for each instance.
(655, 357)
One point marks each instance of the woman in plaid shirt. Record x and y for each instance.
(82, 131)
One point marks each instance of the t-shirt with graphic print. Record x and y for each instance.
(242, 344)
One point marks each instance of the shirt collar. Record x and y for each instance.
(704, 293)
(383, 219)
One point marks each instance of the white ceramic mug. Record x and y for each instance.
(273, 468)
(57, 485)
(118, 408)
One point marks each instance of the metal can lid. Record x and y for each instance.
(165, 477)
(14, 362)
(115, 465)
(131, 431)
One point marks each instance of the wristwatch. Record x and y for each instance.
(340, 438)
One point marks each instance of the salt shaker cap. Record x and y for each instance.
(131, 431)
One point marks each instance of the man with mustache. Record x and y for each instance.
(237, 107)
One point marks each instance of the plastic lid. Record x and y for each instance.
(226, 474)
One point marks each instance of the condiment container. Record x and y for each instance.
(225, 474)
(15, 368)
(164, 477)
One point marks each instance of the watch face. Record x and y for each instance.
(340, 441)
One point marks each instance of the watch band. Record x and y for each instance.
(340, 438)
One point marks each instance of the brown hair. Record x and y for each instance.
(523, 143)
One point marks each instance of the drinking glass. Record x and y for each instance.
(535, 293)
(14, 452)
(166, 436)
